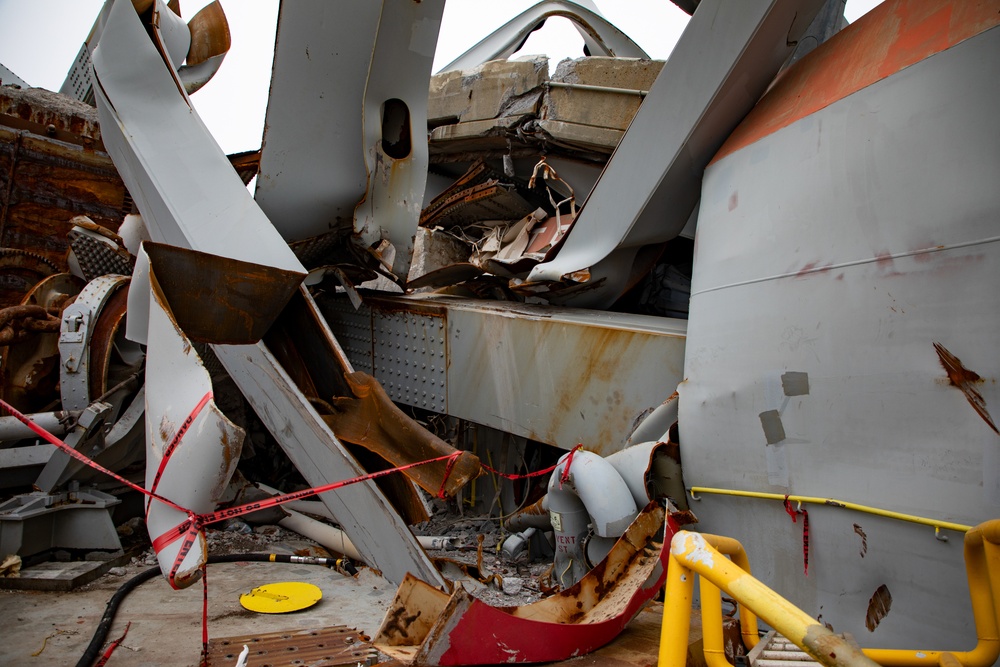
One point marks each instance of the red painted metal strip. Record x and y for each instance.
(892, 36)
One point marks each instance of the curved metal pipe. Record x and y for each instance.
(599, 487)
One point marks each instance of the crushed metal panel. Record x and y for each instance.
(600, 36)
(191, 447)
(725, 59)
(426, 627)
(315, 173)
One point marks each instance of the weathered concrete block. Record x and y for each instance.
(484, 92)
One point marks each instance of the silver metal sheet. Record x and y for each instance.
(724, 61)
(191, 447)
(846, 247)
(557, 375)
(323, 163)
(187, 191)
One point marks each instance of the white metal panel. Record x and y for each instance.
(844, 247)
(191, 447)
(335, 66)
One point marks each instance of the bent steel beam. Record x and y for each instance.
(601, 37)
(190, 197)
(344, 139)
(187, 191)
(191, 447)
(722, 64)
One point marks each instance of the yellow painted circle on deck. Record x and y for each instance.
(282, 597)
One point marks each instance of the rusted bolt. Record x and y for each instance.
(50, 130)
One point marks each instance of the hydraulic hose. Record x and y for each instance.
(101, 634)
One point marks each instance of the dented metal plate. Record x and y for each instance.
(191, 447)
(187, 191)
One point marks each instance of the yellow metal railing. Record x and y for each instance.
(830, 502)
(692, 553)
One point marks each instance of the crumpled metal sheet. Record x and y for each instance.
(424, 626)
(370, 419)
(187, 191)
(191, 447)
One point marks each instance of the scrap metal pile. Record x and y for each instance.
(163, 313)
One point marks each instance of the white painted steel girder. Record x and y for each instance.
(557, 375)
(725, 59)
(187, 191)
(337, 67)
(600, 36)
(191, 447)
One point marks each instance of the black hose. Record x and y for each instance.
(101, 634)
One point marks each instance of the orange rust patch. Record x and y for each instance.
(965, 380)
(894, 35)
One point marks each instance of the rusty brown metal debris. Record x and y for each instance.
(218, 299)
(331, 646)
(966, 381)
(370, 419)
(878, 607)
(425, 626)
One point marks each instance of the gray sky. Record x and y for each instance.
(40, 38)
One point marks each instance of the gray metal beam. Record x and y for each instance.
(723, 63)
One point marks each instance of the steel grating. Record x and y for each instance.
(331, 647)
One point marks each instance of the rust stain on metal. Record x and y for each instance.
(230, 301)
(966, 381)
(878, 607)
(864, 539)
(371, 420)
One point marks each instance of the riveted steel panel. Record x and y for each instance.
(410, 358)
(353, 329)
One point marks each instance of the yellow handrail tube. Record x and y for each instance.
(830, 502)
(703, 554)
(691, 553)
(748, 620)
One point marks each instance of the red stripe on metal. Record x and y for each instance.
(892, 36)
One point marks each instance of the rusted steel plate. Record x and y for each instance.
(230, 301)
(334, 646)
(558, 375)
(44, 183)
(51, 115)
(371, 420)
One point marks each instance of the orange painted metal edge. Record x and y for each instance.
(891, 37)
